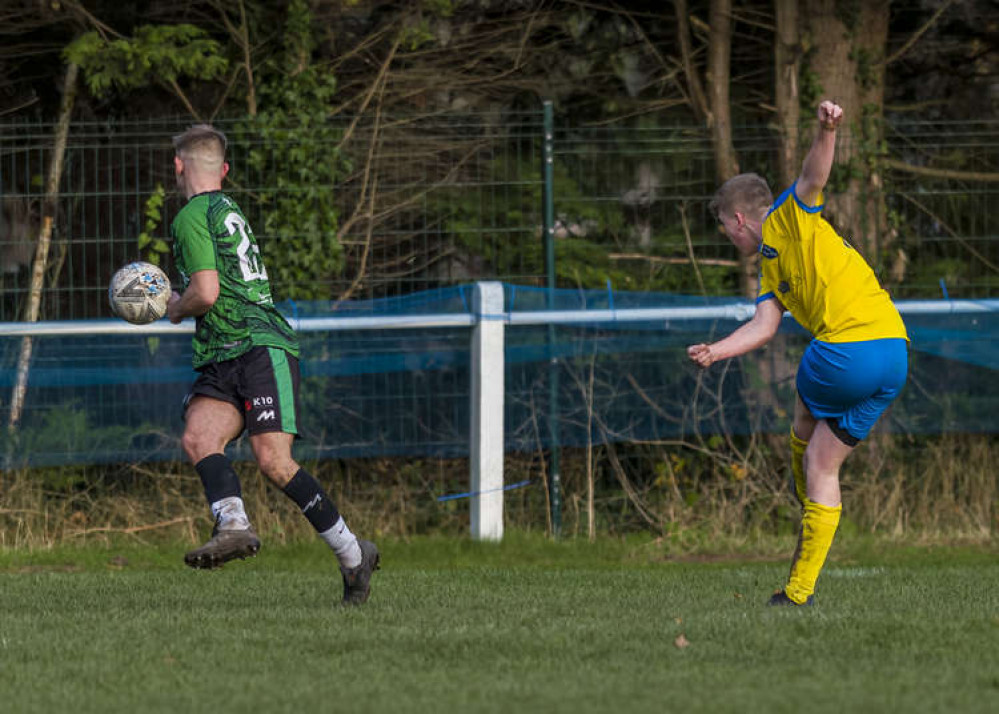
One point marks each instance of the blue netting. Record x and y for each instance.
(95, 399)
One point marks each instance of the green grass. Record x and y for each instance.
(527, 625)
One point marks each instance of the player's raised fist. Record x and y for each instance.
(830, 115)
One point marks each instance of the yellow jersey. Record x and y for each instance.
(820, 278)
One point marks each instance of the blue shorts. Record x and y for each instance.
(850, 384)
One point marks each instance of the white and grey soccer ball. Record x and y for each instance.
(139, 293)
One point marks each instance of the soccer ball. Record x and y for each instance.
(139, 293)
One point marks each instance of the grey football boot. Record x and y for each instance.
(357, 580)
(780, 599)
(224, 545)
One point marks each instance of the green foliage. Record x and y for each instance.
(156, 53)
(842, 174)
(155, 248)
(953, 271)
(297, 157)
(848, 12)
(417, 35)
(441, 8)
(868, 64)
(809, 88)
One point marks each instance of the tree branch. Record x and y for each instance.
(951, 231)
(918, 33)
(942, 173)
(673, 260)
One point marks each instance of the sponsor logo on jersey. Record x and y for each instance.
(768, 251)
(263, 401)
(267, 415)
(783, 287)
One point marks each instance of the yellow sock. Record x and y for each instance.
(798, 447)
(818, 526)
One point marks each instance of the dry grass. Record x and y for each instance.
(691, 496)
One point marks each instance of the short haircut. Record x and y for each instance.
(746, 193)
(203, 144)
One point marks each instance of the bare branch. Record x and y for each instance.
(690, 245)
(172, 85)
(953, 234)
(956, 174)
(673, 260)
(918, 33)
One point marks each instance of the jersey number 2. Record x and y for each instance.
(248, 251)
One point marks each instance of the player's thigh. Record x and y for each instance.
(209, 424)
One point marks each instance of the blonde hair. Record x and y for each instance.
(745, 193)
(203, 145)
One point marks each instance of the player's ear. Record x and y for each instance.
(178, 165)
(225, 168)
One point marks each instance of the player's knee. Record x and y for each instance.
(196, 446)
(276, 465)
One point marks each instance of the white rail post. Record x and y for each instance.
(487, 391)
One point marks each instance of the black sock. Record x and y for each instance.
(218, 477)
(306, 492)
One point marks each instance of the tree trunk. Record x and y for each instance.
(787, 62)
(695, 90)
(848, 43)
(44, 240)
(719, 76)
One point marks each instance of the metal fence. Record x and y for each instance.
(433, 201)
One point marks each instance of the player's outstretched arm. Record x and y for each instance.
(755, 333)
(818, 163)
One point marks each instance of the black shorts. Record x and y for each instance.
(262, 384)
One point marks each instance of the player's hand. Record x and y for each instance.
(701, 355)
(172, 312)
(830, 115)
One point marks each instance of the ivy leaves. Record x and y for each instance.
(155, 53)
(296, 156)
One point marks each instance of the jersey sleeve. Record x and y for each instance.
(195, 242)
(769, 280)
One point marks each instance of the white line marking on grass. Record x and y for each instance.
(854, 572)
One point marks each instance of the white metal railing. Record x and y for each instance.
(737, 311)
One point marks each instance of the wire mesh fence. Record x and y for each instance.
(426, 202)
(423, 204)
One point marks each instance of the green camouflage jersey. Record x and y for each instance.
(211, 233)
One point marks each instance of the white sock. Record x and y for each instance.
(229, 514)
(343, 543)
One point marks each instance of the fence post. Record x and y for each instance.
(487, 393)
(548, 213)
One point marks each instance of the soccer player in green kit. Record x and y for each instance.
(246, 355)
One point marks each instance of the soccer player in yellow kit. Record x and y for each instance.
(855, 365)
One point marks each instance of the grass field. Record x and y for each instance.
(526, 625)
